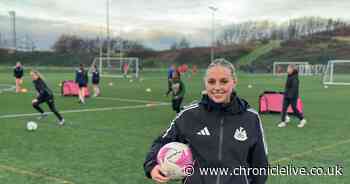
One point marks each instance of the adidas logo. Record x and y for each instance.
(204, 131)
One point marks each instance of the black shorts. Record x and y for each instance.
(46, 99)
(82, 85)
(95, 82)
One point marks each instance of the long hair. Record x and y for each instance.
(294, 68)
(37, 73)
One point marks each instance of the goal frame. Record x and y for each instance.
(99, 62)
(287, 63)
(330, 70)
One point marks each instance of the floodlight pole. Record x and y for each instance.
(101, 51)
(213, 10)
(13, 27)
(120, 35)
(108, 29)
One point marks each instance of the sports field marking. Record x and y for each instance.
(12, 89)
(127, 100)
(7, 87)
(85, 110)
(322, 148)
(33, 174)
(119, 99)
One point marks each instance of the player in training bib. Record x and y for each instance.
(125, 70)
(45, 95)
(18, 73)
(171, 71)
(178, 92)
(81, 78)
(95, 81)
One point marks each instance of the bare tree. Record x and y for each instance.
(264, 30)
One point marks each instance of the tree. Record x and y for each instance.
(75, 44)
(265, 30)
(184, 43)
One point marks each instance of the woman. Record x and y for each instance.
(233, 135)
(178, 92)
(18, 73)
(44, 95)
(171, 71)
(81, 78)
(291, 95)
(125, 70)
(96, 81)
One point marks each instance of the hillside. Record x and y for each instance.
(46, 58)
(199, 56)
(259, 51)
(253, 56)
(318, 48)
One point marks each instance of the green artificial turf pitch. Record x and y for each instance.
(105, 140)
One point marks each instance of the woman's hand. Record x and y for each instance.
(158, 176)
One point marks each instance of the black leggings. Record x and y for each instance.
(176, 104)
(51, 103)
(169, 87)
(293, 102)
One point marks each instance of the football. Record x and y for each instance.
(24, 90)
(174, 159)
(31, 126)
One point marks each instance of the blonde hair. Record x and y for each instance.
(293, 66)
(223, 63)
(37, 73)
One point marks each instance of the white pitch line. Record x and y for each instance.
(34, 174)
(10, 87)
(103, 98)
(120, 99)
(84, 110)
(318, 150)
(127, 100)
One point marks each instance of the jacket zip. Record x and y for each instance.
(246, 179)
(220, 146)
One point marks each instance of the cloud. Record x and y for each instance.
(158, 23)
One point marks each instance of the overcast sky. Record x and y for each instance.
(157, 23)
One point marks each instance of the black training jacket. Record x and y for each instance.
(42, 89)
(95, 77)
(18, 72)
(81, 77)
(219, 136)
(292, 85)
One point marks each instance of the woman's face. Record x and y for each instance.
(290, 69)
(34, 76)
(219, 84)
